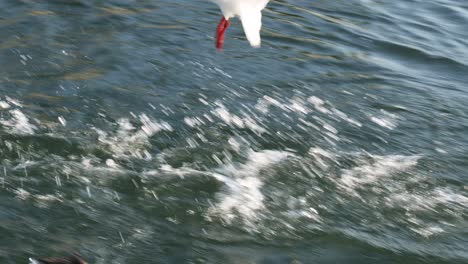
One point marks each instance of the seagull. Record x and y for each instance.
(249, 13)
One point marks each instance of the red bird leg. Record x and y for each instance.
(222, 26)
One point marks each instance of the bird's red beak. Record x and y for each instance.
(222, 26)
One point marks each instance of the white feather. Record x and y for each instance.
(249, 12)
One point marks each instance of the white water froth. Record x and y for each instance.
(18, 123)
(241, 122)
(4, 105)
(40, 200)
(371, 172)
(130, 141)
(427, 231)
(385, 119)
(322, 156)
(300, 106)
(380, 177)
(243, 196)
(193, 121)
(429, 200)
(14, 101)
(318, 104)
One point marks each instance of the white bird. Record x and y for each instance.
(250, 14)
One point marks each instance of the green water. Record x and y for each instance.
(125, 136)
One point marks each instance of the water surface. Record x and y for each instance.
(125, 136)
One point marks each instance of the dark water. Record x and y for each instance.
(126, 137)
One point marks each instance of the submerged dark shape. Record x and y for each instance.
(74, 259)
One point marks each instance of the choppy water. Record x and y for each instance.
(125, 136)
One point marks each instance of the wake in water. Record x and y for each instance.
(289, 193)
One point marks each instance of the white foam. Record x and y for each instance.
(372, 171)
(432, 200)
(151, 127)
(346, 117)
(241, 122)
(18, 123)
(22, 194)
(193, 121)
(319, 154)
(44, 201)
(298, 106)
(380, 177)
(168, 169)
(318, 104)
(450, 196)
(322, 152)
(427, 231)
(235, 144)
(13, 101)
(86, 163)
(128, 141)
(111, 163)
(330, 128)
(299, 208)
(243, 196)
(4, 105)
(386, 119)
(383, 122)
(223, 113)
(264, 103)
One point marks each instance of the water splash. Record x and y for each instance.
(130, 141)
(243, 196)
(18, 123)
